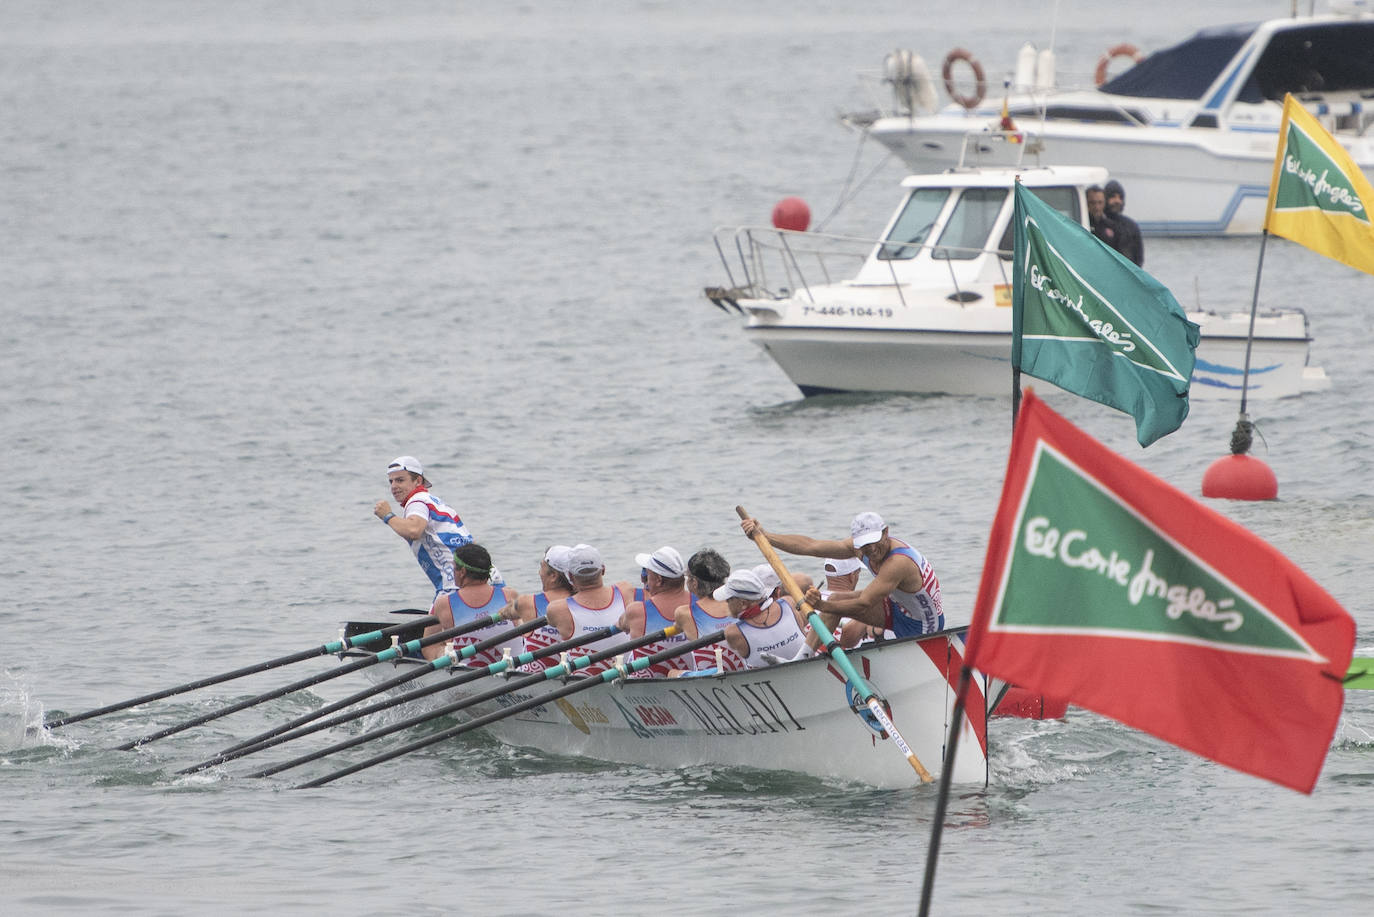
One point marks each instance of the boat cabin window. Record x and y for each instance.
(1065, 200)
(913, 224)
(965, 235)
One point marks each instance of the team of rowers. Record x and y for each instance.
(701, 595)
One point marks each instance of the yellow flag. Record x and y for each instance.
(1318, 196)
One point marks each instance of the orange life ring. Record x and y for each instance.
(947, 71)
(1125, 49)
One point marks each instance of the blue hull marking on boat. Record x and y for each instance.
(1207, 227)
(1204, 366)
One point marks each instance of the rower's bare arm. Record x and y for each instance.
(735, 640)
(409, 527)
(682, 617)
(560, 617)
(801, 545)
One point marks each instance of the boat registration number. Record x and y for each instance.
(860, 311)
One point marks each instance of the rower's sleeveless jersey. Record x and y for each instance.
(914, 612)
(716, 656)
(782, 638)
(587, 619)
(443, 532)
(462, 612)
(540, 638)
(654, 620)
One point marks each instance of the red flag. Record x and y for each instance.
(1109, 587)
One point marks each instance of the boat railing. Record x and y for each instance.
(776, 264)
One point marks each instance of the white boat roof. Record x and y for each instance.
(1036, 177)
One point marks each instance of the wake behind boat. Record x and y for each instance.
(1190, 130)
(793, 717)
(926, 307)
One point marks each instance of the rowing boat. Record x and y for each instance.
(796, 716)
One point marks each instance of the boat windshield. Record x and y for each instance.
(965, 235)
(913, 224)
(1314, 59)
(1063, 199)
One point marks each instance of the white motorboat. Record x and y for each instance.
(1190, 131)
(929, 308)
(791, 717)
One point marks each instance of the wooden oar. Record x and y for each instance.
(677, 649)
(558, 671)
(308, 724)
(326, 649)
(395, 652)
(867, 696)
(1361, 674)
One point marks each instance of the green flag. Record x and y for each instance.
(1091, 322)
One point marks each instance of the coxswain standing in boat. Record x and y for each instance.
(766, 631)
(593, 605)
(476, 596)
(904, 594)
(707, 571)
(429, 525)
(1128, 238)
(1102, 226)
(553, 580)
(664, 574)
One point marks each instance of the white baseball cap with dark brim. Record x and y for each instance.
(742, 584)
(666, 562)
(406, 463)
(866, 529)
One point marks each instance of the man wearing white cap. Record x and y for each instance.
(593, 605)
(665, 588)
(429, 525)
(553, 578)
(765, 631)
(904, 594)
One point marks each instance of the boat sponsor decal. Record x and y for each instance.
(743, 709)
(647, 718)
(1074, 536)
(948, 657)
(582, 715)
(849, 311)
(1001, 295)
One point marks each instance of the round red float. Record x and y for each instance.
(792, 213)
(1240, 477)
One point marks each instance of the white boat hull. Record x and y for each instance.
(1179, 181)
(792, 717)
(975, 359)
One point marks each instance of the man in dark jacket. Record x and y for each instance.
(1128, 240)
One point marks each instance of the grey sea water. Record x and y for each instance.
(250, 252)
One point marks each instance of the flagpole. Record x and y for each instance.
(1254, 307)
(942, 800)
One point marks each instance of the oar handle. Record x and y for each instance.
(867, 695)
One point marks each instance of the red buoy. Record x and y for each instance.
(1240, 477)
(792, 213)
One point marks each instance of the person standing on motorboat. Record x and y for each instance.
(904, 594)
(1128, 239)
(1102, 226)
(430, 526)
